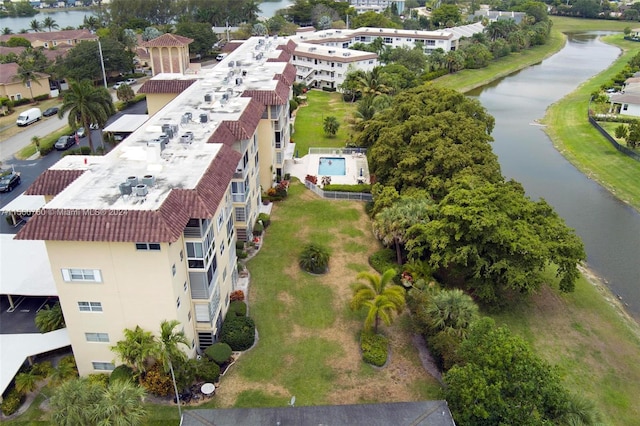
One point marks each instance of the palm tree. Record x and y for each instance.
(392, 224)
(7, 31)
(330, 126)
(120, 404)
(49, 22)
(91, 23)
(169, 351)
(137, 349)
(26, 382)
(372, 83)
(380, 296)
(28, 74)
(452, 312)
(314, 258)
(62, 373)
(49, 318)
(35, 26)
(86, 104)
(71, 402)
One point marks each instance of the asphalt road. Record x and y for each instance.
(31, 169)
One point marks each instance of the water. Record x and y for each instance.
(609, 228)
(332, 166)
(66, 18)
(73, 18)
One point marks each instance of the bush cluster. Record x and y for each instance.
(237, 308)
(257, 229)
(312, 179)
(121, 372)
(375, 348)
(265, 218)
(101, 379)
(236, 295)
(83, 150)
(383, 260)
(238, 332)
(219, 352)
(157, 382)
(208, 371)
(11, 402)
(363, 187)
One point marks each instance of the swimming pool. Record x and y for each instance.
(332, 166)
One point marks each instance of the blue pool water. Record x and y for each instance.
(332, 166)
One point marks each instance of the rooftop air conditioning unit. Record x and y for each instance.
(238, 81)
(125, 188)
(148, 180)
(208, 97)
(186, 118)
(204, 118)
(225, 96)
(187, 137)
(232, 64)
(132, 181)
(141, 190)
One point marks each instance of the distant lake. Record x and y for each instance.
(64, 18)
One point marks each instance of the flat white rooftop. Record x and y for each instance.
(172, 149)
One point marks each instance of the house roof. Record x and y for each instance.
(9, 72)
(421, 413)
(162, 225)
(165, 86)
(279, 96)
(47, 36)
(288, 75)
(625, 98)
(52, 182)
(169, 40)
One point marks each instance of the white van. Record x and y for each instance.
(221, 56)
(29, 116)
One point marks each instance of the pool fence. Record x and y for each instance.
(338, 195)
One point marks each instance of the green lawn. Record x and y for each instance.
(310, 116)
(584, 146)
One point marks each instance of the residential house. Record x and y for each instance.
(55, 39)
(362, 6)
(12, 87)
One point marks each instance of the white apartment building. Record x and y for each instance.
(147, 232)
(362, 6)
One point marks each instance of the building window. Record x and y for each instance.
(148, 246)
(221, 248)
(241, 215)
(220, 220)
(195, 255)
(97, 337)
(173, 270)
(189, 316)
(103, 366)
(83, 275)
(193, 343)
(178, 302)
(90, 306)
(185, 286)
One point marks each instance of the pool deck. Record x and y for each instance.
(308, 165)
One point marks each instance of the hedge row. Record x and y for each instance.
(363, 187)
(375, 348)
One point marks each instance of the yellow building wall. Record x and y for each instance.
(138, 288)
(157, 101)
(267, 158)
(12, 90)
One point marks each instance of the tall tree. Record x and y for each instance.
(372, 83)
(31, 63)
(380, 296)
(50, 318)
(86, 104)
(50, 23)
(202, 35)
(169, 352)
(501, 381)
(7, 31)
(330, 125)
(452, 312)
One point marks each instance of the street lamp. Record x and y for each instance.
(104, 76)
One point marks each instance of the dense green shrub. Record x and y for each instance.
(208, 371)
(42, 369)
(23, 101)
(219, 352)
(185, 372)
(383, 260)
(241, 254)
(121, 372)
(11, 402)
(257, 229)
(101, 379)
(314, 258)
(237, 308)
(266, 219)
(329, 89)
(238, 332)
(434, 74)
(41, 97)
(375, 348)
(239, 245)
(363, 187)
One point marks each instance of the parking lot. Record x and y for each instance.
(22, 319)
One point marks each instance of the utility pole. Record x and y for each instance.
(104, 76)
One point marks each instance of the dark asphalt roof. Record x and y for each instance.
(422, 413)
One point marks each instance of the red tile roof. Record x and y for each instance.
(166, 224)
(169, 40)
(288, 75)
(289, 47)
(165, 86)
(9, 73)
(223, 135)
(279, 96)
(53, 182)
(282, 57)
(246, 124)
(48, 36)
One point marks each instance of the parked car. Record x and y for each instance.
(29, 116)
(50, 111)
(131, 81)
(94, 126)
(81, 132)
(118, 84)
(10, 181)
(65, 142)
